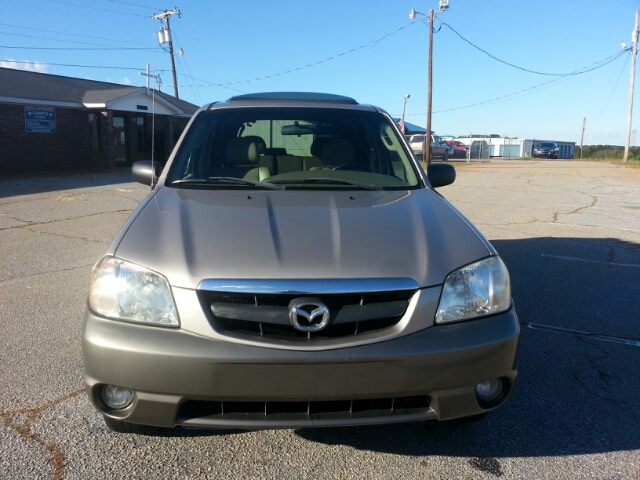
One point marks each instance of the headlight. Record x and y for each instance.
(126, 291)
(482, 288)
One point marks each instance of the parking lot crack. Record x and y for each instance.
(111, 194)
(12, 279)
(49, 222)
(632, 342)
(603, 383)
(16, 219)
(57, 458)
(71, 237)
(594, 200)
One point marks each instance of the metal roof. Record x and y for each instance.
(69, 91)
(411, 129)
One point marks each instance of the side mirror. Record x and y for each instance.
(146, 172)
(440, 174)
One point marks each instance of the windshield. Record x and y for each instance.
(293, 148)
(546, 145)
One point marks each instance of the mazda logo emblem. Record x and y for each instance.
(309, 316)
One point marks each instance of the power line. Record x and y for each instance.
(146, 7)
(196, 92)
(125, 68)
(368, 44)
(54, 39)
(588, 68)
(165, 37)
(575, 72)
(208, 83)
(70, 48)
(613, 91)
(77, 65)
(70, 34)
(95, 8)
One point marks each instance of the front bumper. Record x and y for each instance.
(183, 379)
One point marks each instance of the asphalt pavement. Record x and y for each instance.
(569, 233)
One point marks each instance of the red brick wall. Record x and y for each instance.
(68, 148)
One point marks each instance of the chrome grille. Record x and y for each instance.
(237, 311)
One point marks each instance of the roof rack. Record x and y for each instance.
(294, 97)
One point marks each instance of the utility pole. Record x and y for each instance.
(404, 107)
(584, 122)
(444, 5)
(164, 36)
(634, 38)
(427, 138)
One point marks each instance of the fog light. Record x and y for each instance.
(490, 390)
(116, 397)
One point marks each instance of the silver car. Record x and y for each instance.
(439, 149)
(293, 266)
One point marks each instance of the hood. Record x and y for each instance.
(189, 235)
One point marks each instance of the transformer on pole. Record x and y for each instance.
(164, 36)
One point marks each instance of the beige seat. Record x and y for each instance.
(242, 157)
(312, 163)
(267, 160)
(289, 164)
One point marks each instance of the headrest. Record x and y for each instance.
(316, 146)
(242, 151)
(336, 151)
(259, 141)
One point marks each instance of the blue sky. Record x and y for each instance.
(248, 46)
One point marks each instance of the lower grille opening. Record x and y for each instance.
(243, 407)
(373, 404)
(287, 407)
(199, 408)
(407, 403)
(329, 407)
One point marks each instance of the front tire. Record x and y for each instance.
(445, 156)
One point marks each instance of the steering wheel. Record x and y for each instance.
(352, 166)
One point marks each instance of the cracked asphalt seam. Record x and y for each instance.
(70, 237)
(57, 459)
(29, 223)
(13, 279)
(632, 342)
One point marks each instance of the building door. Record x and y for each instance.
(121, 138)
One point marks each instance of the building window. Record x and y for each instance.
(94, 129)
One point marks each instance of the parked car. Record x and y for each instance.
(460, 145)
(546, 150)
(455, 149)
(258, 291)
(439, 149)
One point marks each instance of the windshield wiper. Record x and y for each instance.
(334, 181)
(226, 180)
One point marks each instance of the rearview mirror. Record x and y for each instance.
(297, 129)
(440, 174)
(146, 172)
